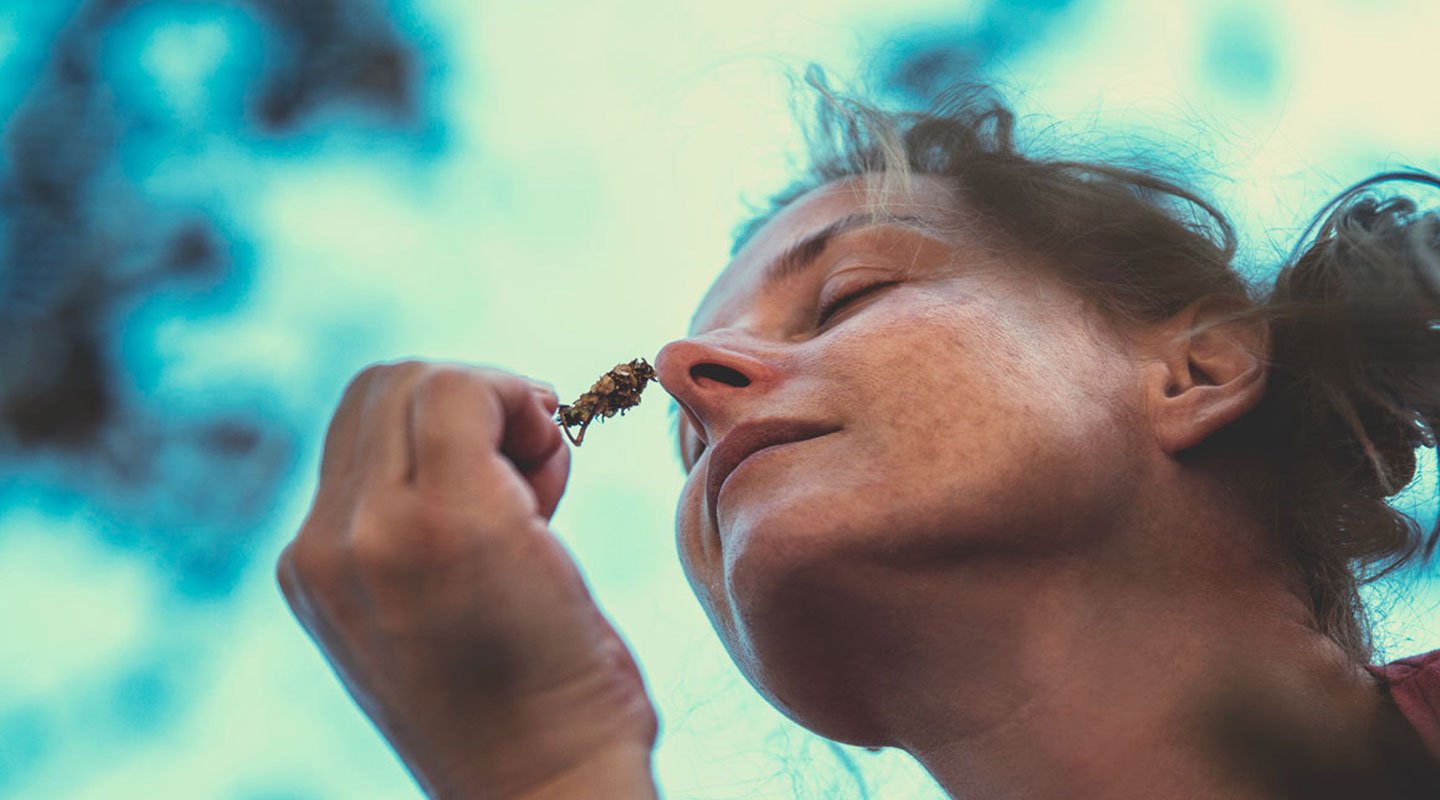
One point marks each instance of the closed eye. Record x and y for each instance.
(833, 306)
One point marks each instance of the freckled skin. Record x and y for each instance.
(974, 400)
(998, 562)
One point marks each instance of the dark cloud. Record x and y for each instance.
(1241, 53)
(920, 62)
(82, 246)
(334, 49)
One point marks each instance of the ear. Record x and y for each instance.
(1209, 371)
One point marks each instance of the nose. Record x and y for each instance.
(712, 382)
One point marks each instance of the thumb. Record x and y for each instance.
(534, 444)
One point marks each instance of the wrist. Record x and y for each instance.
(619, 773)
(599, 725)
(549, 757)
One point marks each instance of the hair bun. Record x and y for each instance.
(1357, 332)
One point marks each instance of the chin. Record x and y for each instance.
(787, 625)
(800, 680)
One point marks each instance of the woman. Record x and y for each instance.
(991, 458)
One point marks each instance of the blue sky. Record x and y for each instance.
(555, 157)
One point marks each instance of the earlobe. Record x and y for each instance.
(1210, 370)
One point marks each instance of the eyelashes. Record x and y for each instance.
(830, 308)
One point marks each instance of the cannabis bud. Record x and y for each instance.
(616, 391)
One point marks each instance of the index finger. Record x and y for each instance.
(484, 433)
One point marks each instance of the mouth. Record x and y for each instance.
(748, 439)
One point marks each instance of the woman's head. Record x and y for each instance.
(998, 374)
(933, 396)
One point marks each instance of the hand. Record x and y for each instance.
(428, 576)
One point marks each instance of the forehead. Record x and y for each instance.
(923, 197)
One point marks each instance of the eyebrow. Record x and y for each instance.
(799, 256)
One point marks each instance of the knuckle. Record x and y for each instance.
(285, 573)
(374, 552)
(303, 576)
(381, 372)
(364, 379)
(446, 380)
(305, 563)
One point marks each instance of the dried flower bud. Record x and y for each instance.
(616, 391)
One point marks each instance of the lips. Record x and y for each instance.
(748, 439)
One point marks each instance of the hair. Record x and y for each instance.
(1353, 313)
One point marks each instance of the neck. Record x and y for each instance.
(1076, 676)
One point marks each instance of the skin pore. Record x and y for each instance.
(993, 556)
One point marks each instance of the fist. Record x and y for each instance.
(427, 575)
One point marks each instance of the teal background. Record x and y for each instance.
(536, 170)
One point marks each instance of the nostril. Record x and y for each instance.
(716, 372)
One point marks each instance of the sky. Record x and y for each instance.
(221, 211)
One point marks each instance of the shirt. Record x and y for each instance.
(1414, 685)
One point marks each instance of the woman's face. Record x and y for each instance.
(953, 405)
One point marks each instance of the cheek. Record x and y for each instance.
(972, 366)
(987, 417)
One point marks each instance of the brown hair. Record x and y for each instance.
(1354, 314)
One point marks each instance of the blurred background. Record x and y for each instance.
(213, 213)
